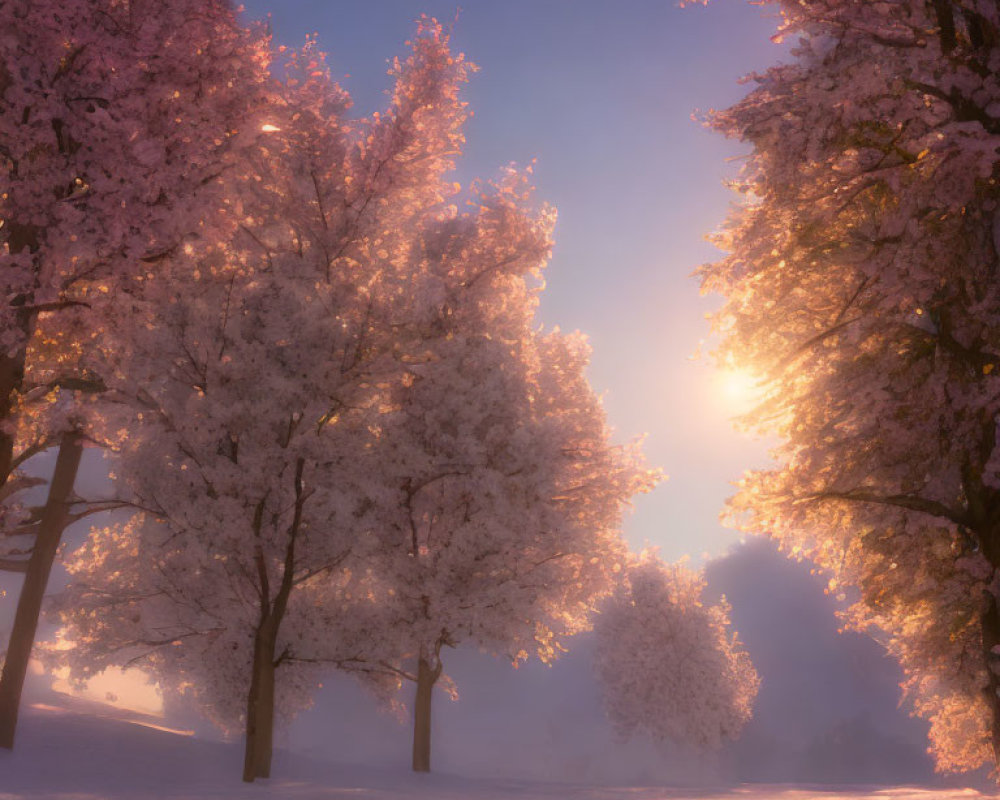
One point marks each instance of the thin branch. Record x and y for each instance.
(70, 383)
(294, 528)
(904, 501)
(264, 247)
(329, 566)
(57, 305)
(225, 317)
(263, 584)
(100, 508)
(812, 341)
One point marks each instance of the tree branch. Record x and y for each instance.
(904, 501)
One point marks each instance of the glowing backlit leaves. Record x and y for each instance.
(862, 285)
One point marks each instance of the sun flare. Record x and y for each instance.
(739, 390)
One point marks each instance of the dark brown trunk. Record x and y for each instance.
(426, 678)
(260, 705)
(945, 15)
(11, 379)
(36, 578)
(260, 700)
(991, 639)
(20, 238)
(977, 28)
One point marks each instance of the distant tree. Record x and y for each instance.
(862, 286)
(507, 525)
(117, 121)
(669, 666)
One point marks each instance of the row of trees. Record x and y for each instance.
(341, 438)
(862, 286)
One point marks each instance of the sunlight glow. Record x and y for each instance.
(267, 127)
(129, 690)
(141, 723)
(738, 389)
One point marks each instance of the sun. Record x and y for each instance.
(738, 389)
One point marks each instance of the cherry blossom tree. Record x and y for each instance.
(668, 665)
(507, 524)
(861, 285)
(257, 379)
(117, 122)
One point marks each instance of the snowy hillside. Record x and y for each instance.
(513, 728)
(71, 749)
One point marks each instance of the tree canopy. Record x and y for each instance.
(861, 286)
(669, 666)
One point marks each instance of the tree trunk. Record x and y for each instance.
(260, 701)
(36, 578)
(426, 678)
(260, 705)
(20, 238)
(11, 378)
(991, 639)
(945, 15)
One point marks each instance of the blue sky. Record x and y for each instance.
(601, 93)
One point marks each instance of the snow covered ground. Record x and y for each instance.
(74, 750)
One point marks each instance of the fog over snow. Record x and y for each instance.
(67, 751)
(827, 715)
